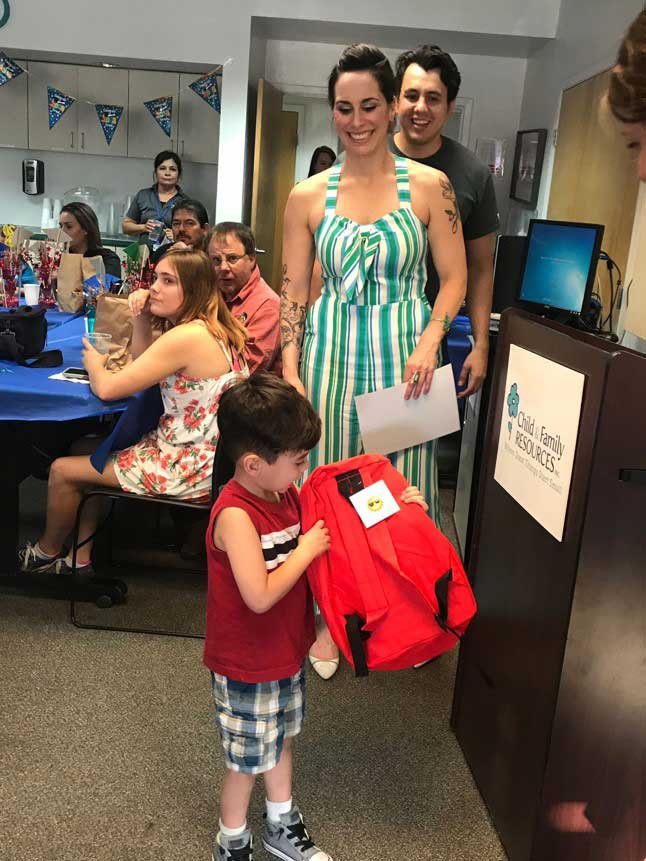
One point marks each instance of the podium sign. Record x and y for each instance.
(538, 434)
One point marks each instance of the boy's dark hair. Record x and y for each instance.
(266, 416)
(364, 58)
(195, 206)
(430, 57)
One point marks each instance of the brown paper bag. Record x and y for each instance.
(113, 316)
(69, 288)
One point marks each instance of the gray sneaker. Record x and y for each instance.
(233, 848)
(289, 838)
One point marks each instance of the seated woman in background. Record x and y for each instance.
(194, 361)
(80, 223)
(155, 204)
(322, 158)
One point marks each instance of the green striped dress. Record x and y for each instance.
(366, 323)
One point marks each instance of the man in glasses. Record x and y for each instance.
(231, 246)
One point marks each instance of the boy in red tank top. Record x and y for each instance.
(260, 621)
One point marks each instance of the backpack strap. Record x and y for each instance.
(353, 626)
(442, 597)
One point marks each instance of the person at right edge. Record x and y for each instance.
(428, 82)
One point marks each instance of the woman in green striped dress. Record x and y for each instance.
(369, 223)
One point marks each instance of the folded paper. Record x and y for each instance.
(162, 112)
(8, 69)
(207, 88)
(57, 104)
(109, 116)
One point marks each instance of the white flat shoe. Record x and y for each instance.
(325, 669)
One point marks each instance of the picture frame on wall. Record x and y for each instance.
(528, 166)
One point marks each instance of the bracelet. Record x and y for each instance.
(445, 321)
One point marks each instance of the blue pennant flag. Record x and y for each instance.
(207, 88)
(8, 69)
(57, 104)
(162, 111)
(109, 116)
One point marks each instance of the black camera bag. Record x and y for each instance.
(23, 332)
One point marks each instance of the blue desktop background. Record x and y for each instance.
(557, 267)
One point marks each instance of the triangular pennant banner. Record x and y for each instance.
(57, 104)
(8, 69)
(109, 116)
(162, 111)
(207, 88)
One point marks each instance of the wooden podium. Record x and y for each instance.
(550, 696)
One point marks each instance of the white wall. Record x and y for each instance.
(115, 178)
(587, 39)
(206, 32)
(494, 83)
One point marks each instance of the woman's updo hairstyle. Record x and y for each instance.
(364, 58)
(627, 90)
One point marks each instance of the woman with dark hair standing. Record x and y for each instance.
(323, 158)
(80, 223)
(369, 223)
(155, 204)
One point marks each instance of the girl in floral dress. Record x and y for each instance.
(194, 361)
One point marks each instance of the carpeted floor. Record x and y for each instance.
(108, 749)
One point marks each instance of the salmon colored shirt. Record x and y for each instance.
(257, 307)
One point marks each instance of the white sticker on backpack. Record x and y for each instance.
(374, 503)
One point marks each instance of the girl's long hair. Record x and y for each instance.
(202, 297)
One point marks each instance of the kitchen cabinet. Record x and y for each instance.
(145, 136)
(64, 136)
(13, 110)
(199, 124)
(103, 87)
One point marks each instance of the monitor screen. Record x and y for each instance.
(560, 264)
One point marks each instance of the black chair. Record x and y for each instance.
(113, 591)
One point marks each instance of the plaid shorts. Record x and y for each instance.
(255, 719)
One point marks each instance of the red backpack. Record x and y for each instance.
(394, 594)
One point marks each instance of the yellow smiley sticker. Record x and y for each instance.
(375, 503)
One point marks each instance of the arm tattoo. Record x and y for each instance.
(453, 212)
(292, 317)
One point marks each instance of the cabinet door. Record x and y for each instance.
(102, 87)
(13, 110)
(199, 124)
(64, 135)
(145, 137)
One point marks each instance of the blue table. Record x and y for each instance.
(28, 395)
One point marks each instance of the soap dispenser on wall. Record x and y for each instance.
(33, 176)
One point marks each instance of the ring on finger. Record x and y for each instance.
(416, 378)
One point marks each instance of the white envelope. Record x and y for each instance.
(388, 423)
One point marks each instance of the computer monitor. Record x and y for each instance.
(507, 271)
(560, 265)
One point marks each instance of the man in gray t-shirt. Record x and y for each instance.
(428, 81)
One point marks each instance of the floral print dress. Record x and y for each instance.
(176, 459)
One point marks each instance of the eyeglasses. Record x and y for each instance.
(231, 259)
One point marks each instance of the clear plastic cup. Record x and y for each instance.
(157, 234)
(100, 341)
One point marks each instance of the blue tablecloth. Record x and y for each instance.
(27, 394)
